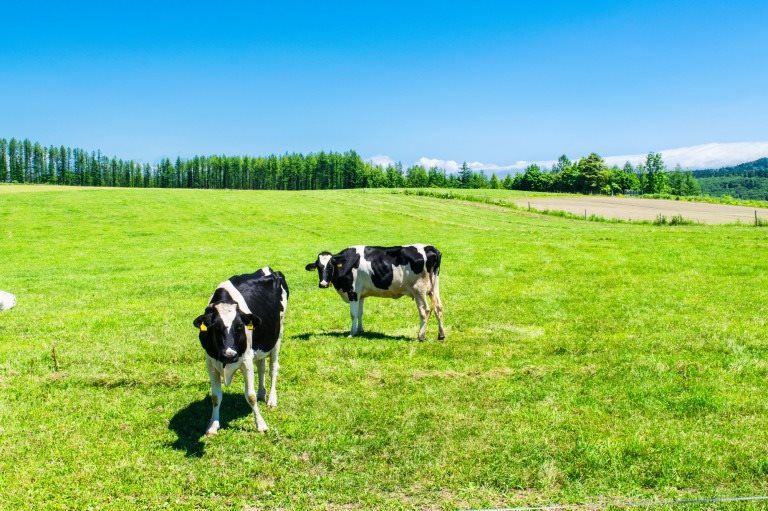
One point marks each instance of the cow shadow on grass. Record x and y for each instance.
(190, 422)
(365, 335)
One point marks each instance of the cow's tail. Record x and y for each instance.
(436, 305)
(283, 283)
(433, 268)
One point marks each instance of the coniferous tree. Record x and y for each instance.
(465, 175)
(38, 161)
(437, 178)
(5, 169)
(15, 162)
(26, 154)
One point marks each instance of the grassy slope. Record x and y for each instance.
(584, 361)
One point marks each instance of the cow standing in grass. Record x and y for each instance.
(391, 272)
(242, 322)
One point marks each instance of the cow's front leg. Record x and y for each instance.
(216, 397)
(261, 365)
(274, 366)
(250, 393)
(421, 304)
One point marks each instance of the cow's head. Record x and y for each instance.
(223, 331)
(325, 266)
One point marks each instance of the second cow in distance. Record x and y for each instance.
(389, 272)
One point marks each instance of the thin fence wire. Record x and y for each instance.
(628, 504)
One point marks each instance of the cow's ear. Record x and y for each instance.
(345, 263)
(250, 320)
(311, 266)
(247, 320)
(199, 322)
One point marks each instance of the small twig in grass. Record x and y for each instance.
(55, 358)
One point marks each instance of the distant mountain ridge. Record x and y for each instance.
(754, 168)
(744, 181)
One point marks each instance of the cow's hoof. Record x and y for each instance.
(441, 337)
(421, 338)
(213, 428)
(262, 428)
(261, 395)
(272, 403)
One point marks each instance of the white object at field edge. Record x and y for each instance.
(7, 300)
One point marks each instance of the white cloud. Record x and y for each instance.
(454, 166)
(448, 165)
(381, 160)
(702, 156)
(693, 157)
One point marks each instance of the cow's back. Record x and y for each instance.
(392, 271)
(266, 294)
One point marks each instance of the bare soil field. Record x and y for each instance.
(647, 209)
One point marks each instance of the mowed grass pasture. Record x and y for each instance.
(585, 362)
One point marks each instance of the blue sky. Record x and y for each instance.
(490, 82)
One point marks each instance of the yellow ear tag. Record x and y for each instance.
(203, 328)
(249, 326)
(339, 265)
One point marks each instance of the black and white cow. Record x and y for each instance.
(391, 272)
(242, 322)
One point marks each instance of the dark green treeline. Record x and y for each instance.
(22, 161)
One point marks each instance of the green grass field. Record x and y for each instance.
(585, 362)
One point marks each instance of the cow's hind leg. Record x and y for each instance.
(421, 304)
(216, 397)
(437, 305)
(250, 393)
(274, 366)
(360, 316)
(261, 366)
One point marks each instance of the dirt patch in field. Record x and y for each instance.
(647, 209)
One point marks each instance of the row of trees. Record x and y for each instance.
(22, 161)
(591, 175)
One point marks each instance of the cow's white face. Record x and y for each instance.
(325, 268)
(223, 331)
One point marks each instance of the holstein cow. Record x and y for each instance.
(391, 272)
(242, 322)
